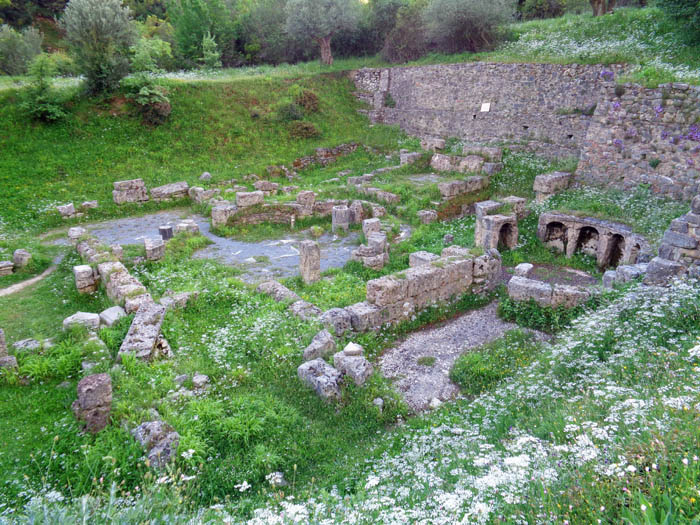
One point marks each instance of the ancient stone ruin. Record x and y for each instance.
(94, 403)
(610, 243)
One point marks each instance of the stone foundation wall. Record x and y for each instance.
(649, 136)
(542, 106)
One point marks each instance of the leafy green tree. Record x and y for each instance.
(100, 33)
(320, 20)
(686, 13)
(193, 19)
(466, 25)
(211, 57)
(150, 54)
(39, 99)
(17, 49)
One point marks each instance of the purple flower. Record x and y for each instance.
(607, 75)
(618, 143)
(690, 162)
(664, 134)
(616, 105)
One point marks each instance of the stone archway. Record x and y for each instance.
(588, 239)
(616, 251)
(507, 238)
(556, 236)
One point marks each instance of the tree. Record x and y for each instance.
(686, 13)
(193, 19)
(601, 7)
(17, 49)
(320, 20)
(100, 33)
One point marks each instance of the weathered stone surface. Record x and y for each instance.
(517, 204)
(111, 315)
(8, 361)
(432, 144)
(200, 381)
(337, 320)
(679, 240)
(695, 205)
(249, 198)
(354, 365)
(386, 290)
(155, 248)
(455, 251)
(94, 402)
(305, 310)
(172, 191)
(629, 272)
(205, 177)
(88, 320)
(199, 195)
(6, 268)
(523, 269)
(371, 226)
(67, 211)
(548, 184)
(661, 271)
(427, 216)
(322, 377)
(222, 213)
(341, 218)
(321, 345)
(523, 289)
(172, 300)
(21, 258)
(188, 226)
(143, 335)
(310, 261)
(159, 440)
(134, 303)
(609, 278)
(85, 279)
(421, 258)
(489, 153)
(267, 187)
(130, 191)
(486, 208)
(568, 296)
(277, 291)
(75, 233)
(89, 205)
(468, 164)
(496, 232)
(363, 316)
(26, 345)
(409, 157)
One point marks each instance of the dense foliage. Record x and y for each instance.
(17, 49)
(100, 33)
(686, 13)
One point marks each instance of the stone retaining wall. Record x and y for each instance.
(541, 105)
(649, 136)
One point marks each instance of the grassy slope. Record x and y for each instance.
(211, 129)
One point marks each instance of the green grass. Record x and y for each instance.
(42, 257)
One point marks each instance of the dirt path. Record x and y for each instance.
(18, 287)
(420, 384)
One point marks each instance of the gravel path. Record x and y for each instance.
(18, 287)
(419, 384)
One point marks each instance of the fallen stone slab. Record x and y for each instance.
(249, 198)
(126, 191)
(337, 320)
(352, 363)
(277, 291)
(420, 258)
(88, 320)
(9, 362)
(305, 310)
(143, 336)
(155, 248)
(321, 345)
(661, 271)
(111, 315)
(160, 441)
(94, 403)
(322, 378)
(524, 289)
(169, 192)
(6, 268)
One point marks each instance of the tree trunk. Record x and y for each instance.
(611, 6)
(326, 55)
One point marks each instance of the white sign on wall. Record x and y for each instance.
(485, 107)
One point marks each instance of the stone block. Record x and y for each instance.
(341, 218)
(111, 315)
(432, 144)
(355, 366)
(695, 205)
(94, 403)
(277, 291)
(523, 269)
(322, 378)
(305, 310)
(88, 320)
(144, 333)
(550, 183)
(371, 226)
(490, 153)
(660, 271)
(67, 211)
(409, 158)
(609, 278)
(130, 191)
(310, 261)
(455, 251)
(421, 258)
(85, 280)
(267, 187)
(523, 289)
(427, 216)
(89, 205)
(517, 204)
(205, 177)
(249, 198)
(364, 316)
(321, 345)
(629, 272)
(679, 240)
(172, 191)
(491, 168)
(75, 233)
(199, 195)
(357, 212)
(155, 249)
(6, 268)
(337, 320)
(568, 296)
(134, 303)
(486, 208)
(8, 361)
(187, 226)
(306, 198)
(159, 440)
(386, 290)
(222, 213)
(21, 258)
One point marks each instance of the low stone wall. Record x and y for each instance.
(649, 136)
(609, 242)
(545, 107)
(397, 297)
(545, 294)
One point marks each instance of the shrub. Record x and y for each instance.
(466, 25)
(287, 110)
(545, 318)
(407, 40)
(150, 54)
(150, 98)
(100, 34)
(308, 100)
(304, 130)
(686, 13)
(18, 49)
(40, 100)
(211, 56)
(542, 9)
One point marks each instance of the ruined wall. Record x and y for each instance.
(541, 106)
(649, 136)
